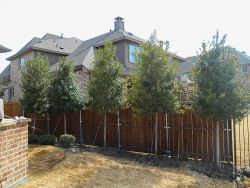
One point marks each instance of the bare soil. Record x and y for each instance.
(53, 167)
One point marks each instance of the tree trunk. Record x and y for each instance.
(104, 131)
(118, 131)
(217, 158)
(156, 133)
(48, 122)
(65, 125)
(81, 139)
(34, 124)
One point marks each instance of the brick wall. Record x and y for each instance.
(15, 77)
(13, 153)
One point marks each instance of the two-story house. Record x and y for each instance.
(81, 53)
(50, 45)
(126, 45)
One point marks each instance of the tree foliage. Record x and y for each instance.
(106, 86)
(65, 93)
(219, 91)
(35, 85)
(155, 87)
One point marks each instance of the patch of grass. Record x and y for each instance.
(95, 167)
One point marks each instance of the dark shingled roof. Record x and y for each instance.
(5, 74)
(84, 54)
(50, 43)
(3, 49)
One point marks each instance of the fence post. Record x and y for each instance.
(228, 150)
(118, 130)
(235, 157)
(81, 139)
(156, 135)
(217, 158)
(34, 123)
(48, 122)
(167, 135)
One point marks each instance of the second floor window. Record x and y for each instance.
(133, 49)
(22, 63)
(244, 68)
(10, 93)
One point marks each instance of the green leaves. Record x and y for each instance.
(154, 86)
(65, 93)
(220, 94)
(106, 85)
(35, 85)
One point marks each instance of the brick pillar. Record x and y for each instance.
(13, 152)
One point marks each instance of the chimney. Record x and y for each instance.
(119, 23)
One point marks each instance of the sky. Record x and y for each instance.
(185, 24)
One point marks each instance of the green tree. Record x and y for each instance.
(35, 85)
(219, 92)
(106, 86)
(65, 93)
(155, 86)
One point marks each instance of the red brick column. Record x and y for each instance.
(13, 152)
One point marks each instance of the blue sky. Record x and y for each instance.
(184, 23)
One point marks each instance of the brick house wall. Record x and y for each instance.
(15, 77)
(13, 153)
(16, 74)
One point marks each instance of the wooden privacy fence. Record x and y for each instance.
(241, 139)
(183, 136)
(12, 109)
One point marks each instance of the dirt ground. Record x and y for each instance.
(53, 167)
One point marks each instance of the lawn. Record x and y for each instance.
(93, 167)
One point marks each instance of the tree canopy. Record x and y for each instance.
(219, 91)
(155, 86)
(106, 85)
(35, 85)
(65, 93)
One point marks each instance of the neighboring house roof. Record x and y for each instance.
(188, 64)
(244, 58)
(190, 61)
(3, 49)
(50, 43)
(5, 74)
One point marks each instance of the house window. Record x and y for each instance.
(133, 49)
(244, 69)
(10, 93)
(22, 63)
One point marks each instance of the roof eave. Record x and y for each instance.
(119, 39)
(35, 48)
(50, 51)
(17, 54)
(4, 49)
